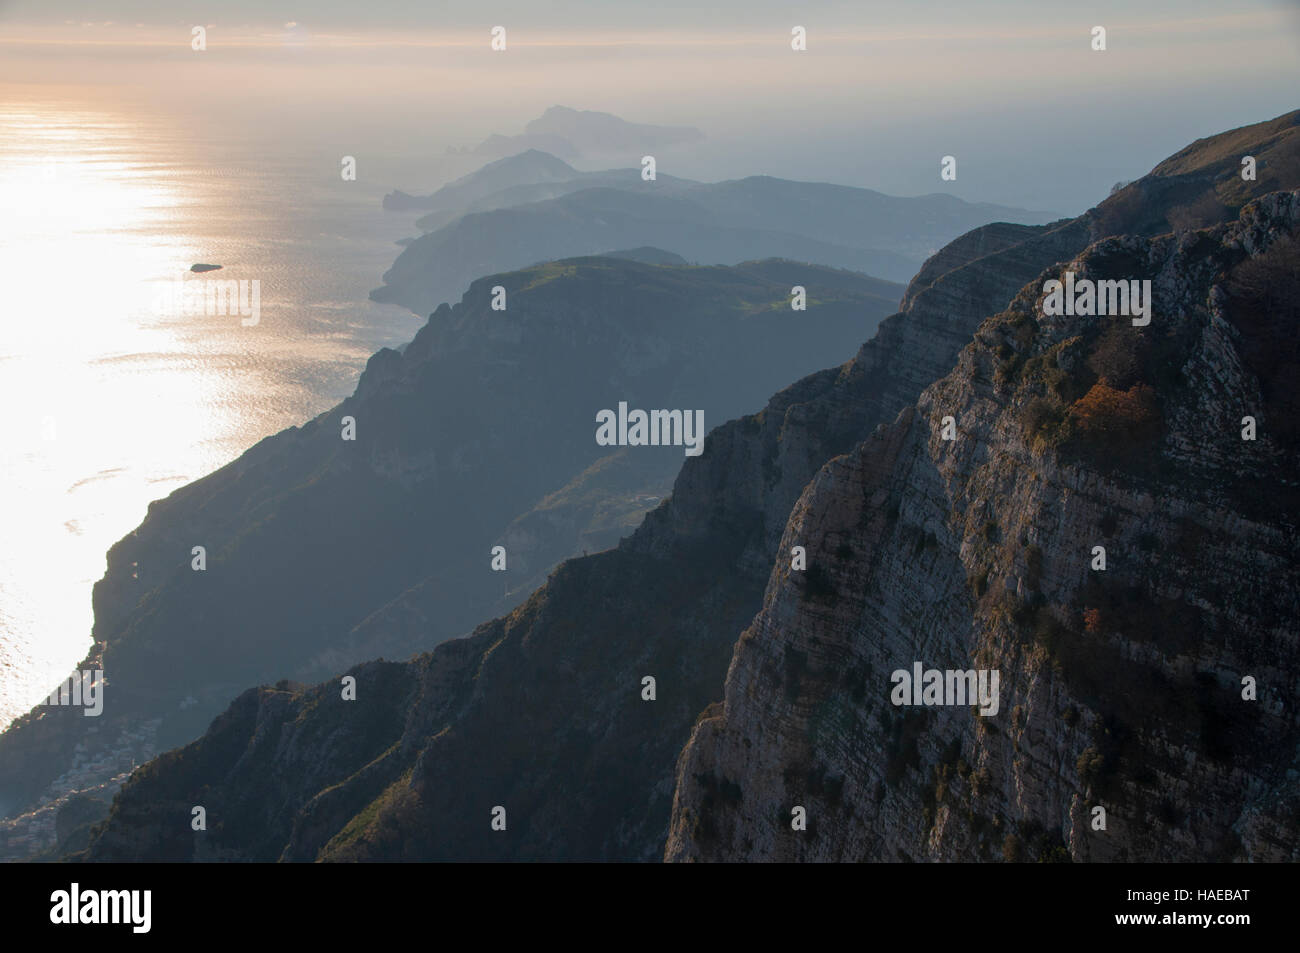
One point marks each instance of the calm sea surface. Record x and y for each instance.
(108, 403)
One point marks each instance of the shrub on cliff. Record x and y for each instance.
(1108, 422)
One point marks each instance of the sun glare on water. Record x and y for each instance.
(94, 383)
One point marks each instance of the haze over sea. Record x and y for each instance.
(112, 405)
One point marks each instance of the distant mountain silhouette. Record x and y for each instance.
(530, 167)
(574, 134)
(717, 223)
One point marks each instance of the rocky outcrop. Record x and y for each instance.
(323, 552)
(553, 725)
(543, 712)
(1122, 689)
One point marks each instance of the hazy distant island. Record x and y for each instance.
(202, 267)
(573, 134)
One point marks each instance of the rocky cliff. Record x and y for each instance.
(544, 712)
(1158, 687)
(323, 552)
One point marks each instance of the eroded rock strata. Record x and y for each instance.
(920, 550)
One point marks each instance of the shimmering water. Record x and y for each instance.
(107, 404)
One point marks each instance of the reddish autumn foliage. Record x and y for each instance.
(1118, 418)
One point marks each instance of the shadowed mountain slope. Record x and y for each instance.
(542, 711)
(485, 417)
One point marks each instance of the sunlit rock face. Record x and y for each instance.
(1144, 709)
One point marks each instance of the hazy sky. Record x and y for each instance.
(1012, 89)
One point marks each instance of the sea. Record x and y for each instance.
(110, 395)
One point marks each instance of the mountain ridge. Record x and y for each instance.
(1121, 690)
(465, 439)
(540, 710)
(712, 223)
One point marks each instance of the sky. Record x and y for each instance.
(1035, 117)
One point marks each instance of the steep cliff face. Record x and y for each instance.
(552, 721)
(311, 540)
(541, 712)
(1120, 688)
